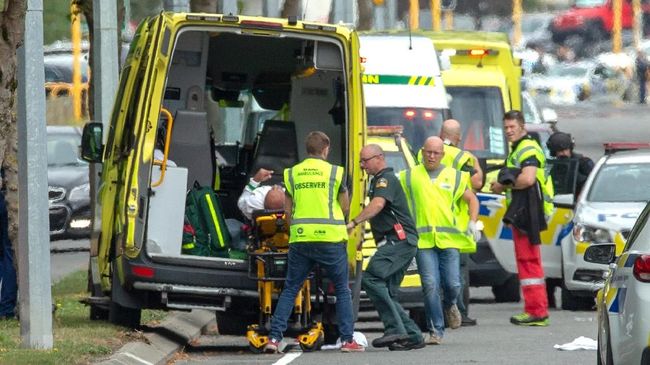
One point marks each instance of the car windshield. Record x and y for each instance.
(480, 110)
(63, 149)
(611, 177)
(568, 71)
(589, 3)
(395, 160)
(418, 123)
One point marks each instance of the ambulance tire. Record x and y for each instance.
(97, 312)
(508, 292)
(124, 316)
(232, 323)
(573, 302)
(419, 317)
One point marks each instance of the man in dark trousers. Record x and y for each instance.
(396, 238)
(8, 285)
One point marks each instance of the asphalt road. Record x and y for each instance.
(493, 341)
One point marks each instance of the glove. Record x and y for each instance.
(474, 229)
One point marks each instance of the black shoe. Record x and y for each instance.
(407, 345)
(468, 322)
(387, 340)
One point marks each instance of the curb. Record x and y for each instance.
(172, 335)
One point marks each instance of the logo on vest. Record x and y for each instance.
(300, 230)
(320, 232)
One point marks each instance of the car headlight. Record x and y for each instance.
(584, 233)
(81, 192)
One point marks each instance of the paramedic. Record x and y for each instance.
(527, 161)
(317, 197)
(397, 242)
(434, 192)
(454, 157)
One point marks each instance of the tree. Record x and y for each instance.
(365, 14)
(291, 8)
(12, 28)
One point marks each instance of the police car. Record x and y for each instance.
(612, 198)
(624, 302)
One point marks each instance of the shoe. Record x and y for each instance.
(453, 317)
(468, 322)
(352, 346)
(432, 339)
(272, 347)
(407, 345)
(525, 319)
(387, 340)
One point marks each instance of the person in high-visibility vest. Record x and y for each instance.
(456, 158)
(396, 237)
(433, 192)
(527, 157)
(316, 203)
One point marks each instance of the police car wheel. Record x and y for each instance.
(508, 291)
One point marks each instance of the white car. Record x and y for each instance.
(615, 193)
(624, 302)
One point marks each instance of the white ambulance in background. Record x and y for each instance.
(403, 85)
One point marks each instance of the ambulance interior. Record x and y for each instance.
(240, 102)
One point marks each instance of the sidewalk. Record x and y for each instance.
(164, 341)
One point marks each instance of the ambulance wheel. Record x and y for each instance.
(124, 316)
(508, 291)
(419, 317)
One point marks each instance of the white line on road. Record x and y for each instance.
(286, 359)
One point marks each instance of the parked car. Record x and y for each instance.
(604, 213)
(535, 31)
(68, 186)
(569, 83)
(624, 302)
(533, 114)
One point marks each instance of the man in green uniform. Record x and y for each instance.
(396, 239)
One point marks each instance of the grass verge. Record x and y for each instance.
(77, 339)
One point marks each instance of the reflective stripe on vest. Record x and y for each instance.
(532, 281)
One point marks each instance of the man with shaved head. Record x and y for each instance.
(461, 160)
(434, 192)
(396, 238)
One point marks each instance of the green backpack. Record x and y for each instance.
(205, 232)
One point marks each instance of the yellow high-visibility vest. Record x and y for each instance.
(317, 215)
(530, 148)
(434, 205)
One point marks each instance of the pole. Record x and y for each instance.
(34, 278)
(229, 7)
(76, 65)
(414, 14)
(391, 9)
(516, 21)
(379, 16)
(617, 7)
(637, 25)
(435, 15)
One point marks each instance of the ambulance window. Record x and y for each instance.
(480, 112)
(396, 160)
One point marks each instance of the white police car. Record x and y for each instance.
(615, 193)
(624, 302)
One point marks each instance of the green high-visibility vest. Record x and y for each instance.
(434, 205)
(317, 215)
(530, 148)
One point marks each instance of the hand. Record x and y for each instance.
(474, 229)
(350, 226)
(262, 175)
(496, 187)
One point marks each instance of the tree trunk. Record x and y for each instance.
(203, 6)
(12, 28)
(365, 15)
(291, 8)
